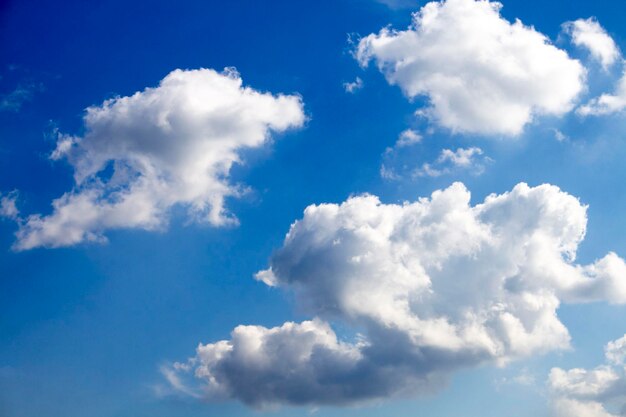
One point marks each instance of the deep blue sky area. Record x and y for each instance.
(85, 329)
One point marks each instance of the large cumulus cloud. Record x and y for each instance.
(427, 288)
(170, 145)
(481, 73)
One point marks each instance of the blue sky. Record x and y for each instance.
(93, 325)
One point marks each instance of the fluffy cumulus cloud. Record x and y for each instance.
(480, 73)
(598, 392)
(161, 147)
(427, 288)
(587, 33)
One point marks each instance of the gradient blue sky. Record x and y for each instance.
(84, 329)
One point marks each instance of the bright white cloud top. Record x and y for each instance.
(481, 73)
(592, 393)
(587, 33)
(171, 145)
(431, 286)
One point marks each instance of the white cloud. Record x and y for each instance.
(22, 94)
(8, 206)
(607, 103)
(175, 384)
(398, 4)
(461, 157)
(588, 33)
(590, 393)
(563, 407)
(165, 146)
(408, 137)
(559, 136)
(354, 86)
(468, 159)
(582, 383)
(616, 351)
(481, 73)
(523, 378)
(388, 173)
(430, 286)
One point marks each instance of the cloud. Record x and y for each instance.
(559, 136)
(588, 33)
(399, 4)
(615, 351)
(8, 206)
(408, 137)
(480, 73)
(354, 86)
(172, 145)
(175, 384)
(589, 393)
(449, 161)
(388, 173)
(22, 94)
(421, 290)
(572, 408)
(606, 103)
(523, 378)
(468, 159)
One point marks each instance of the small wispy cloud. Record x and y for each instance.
(8, 206)
(449, 161)
(388, 173)
(23, 93)
(399, 4)
(408, 137)
(175, 383)
(354, 86)
(607, 103)
(559, 136)
(523, 378)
